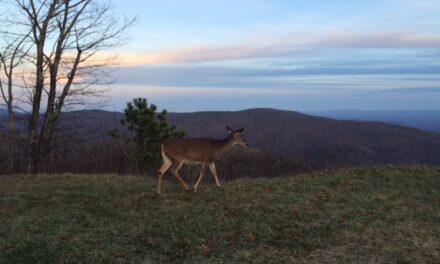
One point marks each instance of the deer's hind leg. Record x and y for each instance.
(165, 166)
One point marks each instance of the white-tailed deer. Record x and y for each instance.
(178, 151)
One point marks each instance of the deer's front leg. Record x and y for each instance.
(214, 173)
(201, 174)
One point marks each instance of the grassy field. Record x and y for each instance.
(375, 215)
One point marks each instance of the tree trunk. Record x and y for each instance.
(33, 141)
(35, 118)
(9, 145)
(46, 140)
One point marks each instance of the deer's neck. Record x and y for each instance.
(226, 144)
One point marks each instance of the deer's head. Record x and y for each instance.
(236, 136)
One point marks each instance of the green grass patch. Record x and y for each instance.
(377, 215)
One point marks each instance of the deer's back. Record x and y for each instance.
(191, 149)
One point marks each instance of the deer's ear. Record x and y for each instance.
(230, 130)
(240, 130)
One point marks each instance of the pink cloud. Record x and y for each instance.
(284, 47)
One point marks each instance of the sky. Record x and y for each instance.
(314, 55)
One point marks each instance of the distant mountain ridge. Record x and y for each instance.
(428, 120)
(323, 142)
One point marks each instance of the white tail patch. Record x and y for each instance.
(164, 155)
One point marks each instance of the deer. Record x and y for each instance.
(206, 151)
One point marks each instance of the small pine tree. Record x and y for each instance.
(146, 129)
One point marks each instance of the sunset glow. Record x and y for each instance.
(298, 55)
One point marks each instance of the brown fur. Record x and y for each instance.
(176, 152)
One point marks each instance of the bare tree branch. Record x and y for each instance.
(59, 66)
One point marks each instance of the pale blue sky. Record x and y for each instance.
(301, 55)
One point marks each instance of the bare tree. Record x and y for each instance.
(14, 48)
(64, 61)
